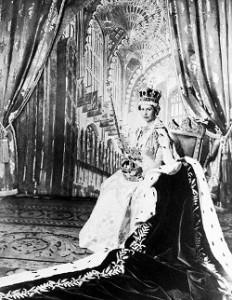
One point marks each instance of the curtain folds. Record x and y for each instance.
(202, 40)
(28, 31)
(201, 34)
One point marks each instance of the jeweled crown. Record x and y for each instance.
(151, 95)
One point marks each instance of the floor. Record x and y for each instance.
(38, 233)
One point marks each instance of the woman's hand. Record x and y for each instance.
(132, 170)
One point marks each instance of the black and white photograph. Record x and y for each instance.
(116, 149)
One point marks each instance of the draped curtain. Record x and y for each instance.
(201, 34)
(28, 31)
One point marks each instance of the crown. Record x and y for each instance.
(150, 95)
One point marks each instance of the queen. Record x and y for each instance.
(154, 231)
(129, 197)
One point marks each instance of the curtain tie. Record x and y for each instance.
(4, 145)
(225, 137)
(4, 151)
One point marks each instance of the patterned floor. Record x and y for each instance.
(225, 219)
(38, 233)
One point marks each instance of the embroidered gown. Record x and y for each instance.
(176, 250)
(177, 254)
(122, 203)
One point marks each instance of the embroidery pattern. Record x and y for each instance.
(118, 266)
(114, 268)
(139, 237)
(196, 211)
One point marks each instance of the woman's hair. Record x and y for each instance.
(156, 109)
(151, 97)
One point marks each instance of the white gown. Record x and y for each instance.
(123, 204)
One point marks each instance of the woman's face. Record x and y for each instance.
(147, 112)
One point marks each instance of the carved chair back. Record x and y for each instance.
(191, 139)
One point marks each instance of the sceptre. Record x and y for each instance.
(130, 168)
(116, 121)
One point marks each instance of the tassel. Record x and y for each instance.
(4, 151)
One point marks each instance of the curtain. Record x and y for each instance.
(28, 31)
(201, 35)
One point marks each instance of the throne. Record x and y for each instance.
(192, 139)
(199, 141)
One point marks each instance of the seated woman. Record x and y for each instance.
(171, 243)
(128, 197)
